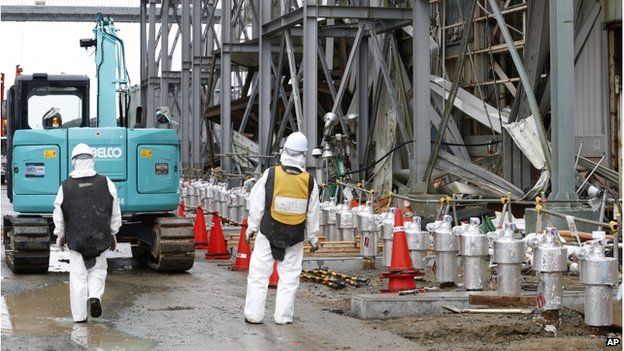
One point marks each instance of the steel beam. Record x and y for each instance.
(310, 80)
(226, 88)
(185, 82)
(264, 84)
(421, 128)
(196, 154)
(164, 55)
(562, 98)
(149, 105)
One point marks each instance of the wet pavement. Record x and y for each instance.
(145, 310)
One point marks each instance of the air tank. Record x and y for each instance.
(328, 213)
(345, 223)
(446, 245)
(509, 254)
(368, 231)
(387, 234)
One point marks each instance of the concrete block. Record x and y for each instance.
(387, 306)
(341, 264)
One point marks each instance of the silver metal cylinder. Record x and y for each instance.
(446, 245)
(418, 242)
(368, 233)
(508, 279)
(474, 249)
(345, 224)
(192, 196)
(387, 235)
(550, 261)
(509, 254)
(331, 232)
(599, 274)
(598, 305)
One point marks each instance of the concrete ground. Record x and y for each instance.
(145, 310)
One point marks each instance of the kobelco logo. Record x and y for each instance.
(106, 152)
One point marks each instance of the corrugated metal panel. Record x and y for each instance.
(590, 87)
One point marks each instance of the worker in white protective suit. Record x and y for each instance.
(284, 210)
(86, 217)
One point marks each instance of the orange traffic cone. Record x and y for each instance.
(217, 249)
(401, 272)
(243, 254)
(201, 237)
(181, 209)
(274, 276)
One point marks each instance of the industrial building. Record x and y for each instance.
(467, 154)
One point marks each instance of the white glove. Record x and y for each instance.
(314, 244)
(249, 234)
(60, 242)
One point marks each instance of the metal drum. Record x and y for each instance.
(387, 235)
(549, 261)
(474, 249)
(509, 254)
(446, 245)
(599, 274)
(368, 232)
(329, 214)
(418, 243)
(345, 223)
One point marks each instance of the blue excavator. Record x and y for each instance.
(47, 116)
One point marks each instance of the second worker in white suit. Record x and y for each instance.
(284, 211)
(86, 217)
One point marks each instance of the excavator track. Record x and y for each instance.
(26, 244)
(173, 248)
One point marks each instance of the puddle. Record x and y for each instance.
(46, 312)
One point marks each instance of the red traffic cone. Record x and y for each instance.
(181, 209)
(401, 272)
(274, 276)
(217, 249)
(243, 254)
(201, 237)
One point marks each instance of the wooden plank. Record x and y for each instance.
(495, 300)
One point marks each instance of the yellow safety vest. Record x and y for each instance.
(290, 197)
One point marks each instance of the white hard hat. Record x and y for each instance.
(81, 149)
(296, 141)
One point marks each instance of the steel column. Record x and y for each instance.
(196, 92)
(185, 81)
(226, 87)
(562, 98)
(264, 84)
(421, 129)
(310, 80)
(151, 67)
(164, 54)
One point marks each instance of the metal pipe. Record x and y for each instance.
(590, 174)
(582, 220)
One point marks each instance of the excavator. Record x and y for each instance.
(49, 115)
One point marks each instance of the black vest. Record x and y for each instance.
(87, 209)
(280, 235)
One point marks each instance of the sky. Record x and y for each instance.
(53, 47)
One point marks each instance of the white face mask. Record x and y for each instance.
(83, 166)
(293, 159)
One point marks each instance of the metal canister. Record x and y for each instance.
(202, 196)
(193, 195)
(599, 274)
(368, 232)
(550, 262)
(387, 235)
(418, 243)
(474, 249)
(345, 223)
(184, 193)
(209, 201)
(509, 254)
(446, 245)
(329, 214)
(232, 207)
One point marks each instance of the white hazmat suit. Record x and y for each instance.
(84, 283)
(261, 263)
